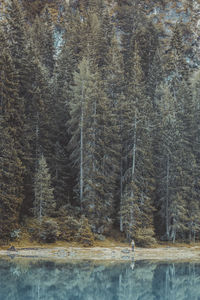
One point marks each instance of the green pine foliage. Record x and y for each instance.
(169, 141)
(11, 182)
(44, 41)
(92, 128)
(44, 203)
(99, 122)
(138, 165)
(84, 235)
(11, 118)
(176, 65)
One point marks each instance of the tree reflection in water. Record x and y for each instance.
(142, 280)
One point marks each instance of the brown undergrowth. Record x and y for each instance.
(113, 239)
(109, 242)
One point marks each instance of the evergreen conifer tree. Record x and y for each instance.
(65, 66)
(44, 203)
(189, 132)
(115, 89)
(172, 203)
(43, 37)
(176, 67)
(138, 186)
(92, 151)
(11, 114)
(11, 183)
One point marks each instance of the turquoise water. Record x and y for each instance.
(28, 280)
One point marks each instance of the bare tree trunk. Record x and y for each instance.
(40, 212)
(190, 234)
(94, 146)
(167, 200)
(194, 236)
(81, 151)
(36, 161)
(37, 140)
(121, 200)
(134, 149)
(174, 235)
(56, 164)
(133, 171)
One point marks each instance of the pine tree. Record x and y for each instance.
(146, 37)
(74, 36)
(11, 182)
(98, 27)
(193, 203)
(155, 76)
(130, 18)
(11, 113)
(93, 132)
(11, 102)
(172, 203)
(115, 89)
(71, 51)
(77, 125)
(189, 129)
(43, 37)
(105, 152)
(38, 115)
(44, 203)
(176, 67)
(62, 177)
(16, 35)
(138, 185)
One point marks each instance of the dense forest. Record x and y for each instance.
(99, 120)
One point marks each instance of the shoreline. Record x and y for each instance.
(115, 254)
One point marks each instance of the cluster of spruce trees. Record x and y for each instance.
(96, 117)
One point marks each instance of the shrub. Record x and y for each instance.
(68, 210)
(15, 234)
(49, 231)
(144, 237)
(85, 235)
(45, 231)
(99, 237)
(68, 227)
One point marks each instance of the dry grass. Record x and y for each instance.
(107, 243)
(115, 239)
(26, 243)
(178, 244)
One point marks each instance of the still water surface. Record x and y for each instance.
(33, 280)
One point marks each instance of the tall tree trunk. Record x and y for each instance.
(133, 171)
(167, 200)
(81, 151)
(121, 200)
(37, 141)
(134, 150)
(94, 147)
(40, 214)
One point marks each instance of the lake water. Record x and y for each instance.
(28, 280)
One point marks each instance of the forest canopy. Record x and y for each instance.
(99, 120)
